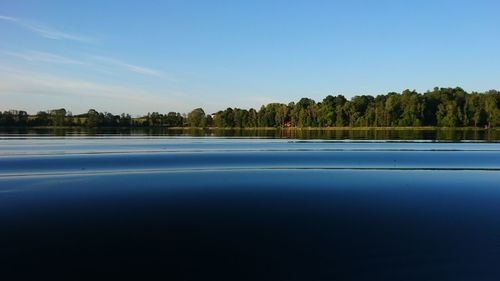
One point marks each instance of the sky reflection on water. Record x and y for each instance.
(192, 209)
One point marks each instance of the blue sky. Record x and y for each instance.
(144, 56)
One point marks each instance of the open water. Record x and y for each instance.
(210, 208)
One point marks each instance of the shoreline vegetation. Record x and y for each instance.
(439, 108)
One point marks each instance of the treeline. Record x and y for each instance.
(91, 119)
(443, 107)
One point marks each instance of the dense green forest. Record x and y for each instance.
(442, 107)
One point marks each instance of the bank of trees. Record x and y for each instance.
(443, 107)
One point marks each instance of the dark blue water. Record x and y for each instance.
(248, 209)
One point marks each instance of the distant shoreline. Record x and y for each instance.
(442, 107)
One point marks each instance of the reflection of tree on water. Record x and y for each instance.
(443, 134)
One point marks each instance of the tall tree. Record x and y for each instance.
(196, 118)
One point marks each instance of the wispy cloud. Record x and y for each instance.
(97, 63)
(7, 18)
(128, 66)
(36, 56)
(46, 31)
(90, 60)
(18, 82)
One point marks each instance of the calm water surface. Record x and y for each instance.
(209, 208)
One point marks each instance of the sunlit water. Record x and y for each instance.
(205, 208)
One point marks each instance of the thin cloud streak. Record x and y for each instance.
(127, 66)
(54, 34)
(36, 56)
(20, 82)
(45, 31)
(7, 18)
(95, 62)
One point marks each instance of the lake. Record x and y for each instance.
(200, 206)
